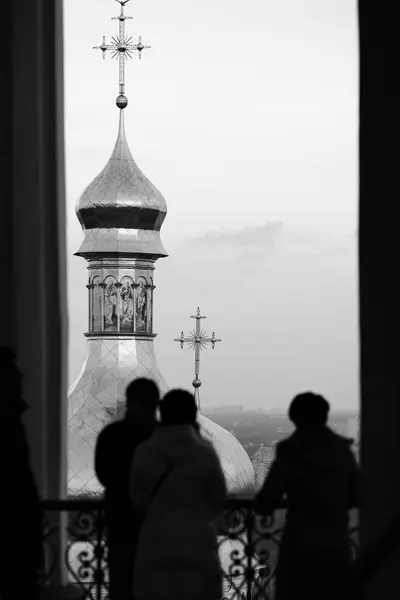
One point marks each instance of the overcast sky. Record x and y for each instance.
(244, 115)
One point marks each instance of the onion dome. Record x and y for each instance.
(235, 462)
(121, 211)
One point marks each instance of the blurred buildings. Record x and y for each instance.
(353, 432)
(265, 454)
(262, 462)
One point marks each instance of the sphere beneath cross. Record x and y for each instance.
(122, 101)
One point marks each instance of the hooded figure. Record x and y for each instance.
(177, 479)
(316, 471)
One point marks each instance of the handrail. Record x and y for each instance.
(95, 500)
(82, 503)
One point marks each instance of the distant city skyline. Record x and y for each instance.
(252, 139)
(258, 429)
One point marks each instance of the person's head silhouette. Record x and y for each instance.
(142, 398)
(178, 407)
(309, 411)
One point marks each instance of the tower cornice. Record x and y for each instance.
(112, 336)
(120, 262)
(108, 256)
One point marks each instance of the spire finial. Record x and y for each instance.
(121, 48)
(197, 340)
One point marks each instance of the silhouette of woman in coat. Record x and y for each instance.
(317, 472)
(177, 478)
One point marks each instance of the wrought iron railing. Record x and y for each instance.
(248, 546)
(85, 549)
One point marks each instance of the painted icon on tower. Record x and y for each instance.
(96, 305)
(127, 304)
(141, 305)
(110, 305)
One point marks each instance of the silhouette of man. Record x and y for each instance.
(115, 448)
(21, 548)
(316, 471)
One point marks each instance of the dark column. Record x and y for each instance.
(32, 233)
(7, 304)
(379, 275)
(39, 229)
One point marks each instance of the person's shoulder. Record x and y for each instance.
(341, 440)
(343, 445)
(204, 443)
(205, 446)
(146, 446)
(286, 445)
(112, 430)
(288, 441)
(114, 426)
(201, 440)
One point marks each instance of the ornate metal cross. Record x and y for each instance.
(122, 46)
(197, 340)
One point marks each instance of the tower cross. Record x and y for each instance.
(121, 48)
(197, 340)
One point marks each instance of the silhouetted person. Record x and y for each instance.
(115, 448)
(21, 545)
(177, 479)
(317, 472)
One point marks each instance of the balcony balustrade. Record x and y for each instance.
(248, 547)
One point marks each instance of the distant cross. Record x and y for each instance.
(122, 47)
(197, 340)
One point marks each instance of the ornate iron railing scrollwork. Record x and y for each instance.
(248, 572)
(248, 548)
(85, 553)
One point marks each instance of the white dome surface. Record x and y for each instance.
(235, 462)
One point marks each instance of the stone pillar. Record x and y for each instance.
(379, 274)
(7, 305)
(32, 235)
(39, 228)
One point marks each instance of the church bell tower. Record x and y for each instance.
(121, 213)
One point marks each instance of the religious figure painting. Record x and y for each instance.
(110, 306)
(150, 310)
(97, 303)
(141, 305)
(127, 304)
